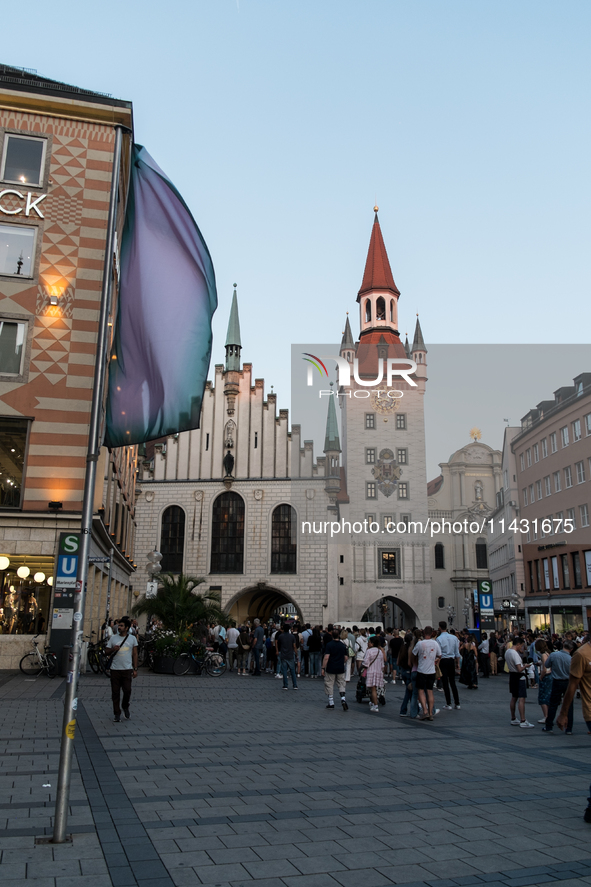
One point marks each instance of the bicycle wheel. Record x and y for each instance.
(93, 661)
(141, 654)
(182, 664)
(51, 660)
(30, 664)
(215, 665)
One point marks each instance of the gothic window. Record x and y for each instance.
(481, 555)
(227, 534)
(367, 310)
(284, 546)
(380, 309)
(172, 539)
(391, 310)
(439, 557)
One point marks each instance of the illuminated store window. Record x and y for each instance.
(17, 250)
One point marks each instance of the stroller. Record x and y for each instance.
(362, 692)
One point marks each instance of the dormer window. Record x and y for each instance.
(380, 309)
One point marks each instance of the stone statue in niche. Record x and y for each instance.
(478, 490)
(230, 429)
(228, 464)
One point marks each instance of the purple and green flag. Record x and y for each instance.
(167, 298)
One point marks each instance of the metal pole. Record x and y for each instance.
(94, 446)
(110, 576)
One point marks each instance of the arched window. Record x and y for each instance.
(172, 539)
(367, 310)
(227, 534)
(441, 602)
(391, 310)
(284, 547)
(481, 555)
(439, 557)
(380, 309)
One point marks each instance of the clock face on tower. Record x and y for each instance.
(384, 404)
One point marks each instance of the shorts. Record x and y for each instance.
(425, 681)
(517, 685)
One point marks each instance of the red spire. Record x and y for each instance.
(377, 274)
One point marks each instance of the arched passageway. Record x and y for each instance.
(392, 612)
(261, 601)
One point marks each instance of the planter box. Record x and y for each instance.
(164, 665)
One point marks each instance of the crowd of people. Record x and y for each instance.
(424, 661)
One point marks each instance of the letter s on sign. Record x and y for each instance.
(71, 543)
(11, 212)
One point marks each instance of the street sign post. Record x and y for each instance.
(64, 592)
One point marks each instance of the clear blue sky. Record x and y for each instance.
(282, 121)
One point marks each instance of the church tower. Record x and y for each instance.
(384, 483)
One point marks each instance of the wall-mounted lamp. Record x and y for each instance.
(54, 300)
(54, 506)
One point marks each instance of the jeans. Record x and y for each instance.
(257, 659)
(411, 696)
(315, 664)
(120, 681)
(448, 679)
(404, 676)
(278, 664)
(556, 696)
(289, 664)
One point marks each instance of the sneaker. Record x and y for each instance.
(525, 725)
(294, 688)
(436, 711)
(330, 706)
(547, 730)
(117, 719)
(375, 708)
(447, 708)
(344, 704)
(457, 707)
(127, 714)
(439, 689)
(569, 733)
(542, 721)
(515, 722)
(403, 714)
(278, 676)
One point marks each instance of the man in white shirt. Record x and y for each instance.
(517, 683)
(426, 654)
(449, 665)
(123, 667)
(232, 641)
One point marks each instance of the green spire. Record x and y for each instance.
(233, 343)
(332, 443)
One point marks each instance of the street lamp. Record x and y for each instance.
(451, 614)
(515, 600)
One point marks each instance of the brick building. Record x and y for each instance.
(553, 465)
(56, 155)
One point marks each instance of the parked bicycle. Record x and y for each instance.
(36, 662)
(97, 655)
(213, 663)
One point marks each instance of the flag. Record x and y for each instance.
(167, 297)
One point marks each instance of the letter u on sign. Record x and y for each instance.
(67, 566)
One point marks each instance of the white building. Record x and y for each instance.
(461, 502)
(227, 502)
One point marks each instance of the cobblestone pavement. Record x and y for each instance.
(223, 781)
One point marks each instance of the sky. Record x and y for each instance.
(282, 122)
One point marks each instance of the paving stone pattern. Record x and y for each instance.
(226, 781)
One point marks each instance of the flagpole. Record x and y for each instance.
(94, 447)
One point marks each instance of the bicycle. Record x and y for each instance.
(213, 663)
(97, 656)
(35, 662)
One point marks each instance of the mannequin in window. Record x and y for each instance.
(228, 464)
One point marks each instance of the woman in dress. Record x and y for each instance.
(374, 661)
(469, 670)
(545, 685)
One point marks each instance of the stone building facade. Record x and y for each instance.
(553, 465)
(56, 154)
(461, 502)
(228, 502)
